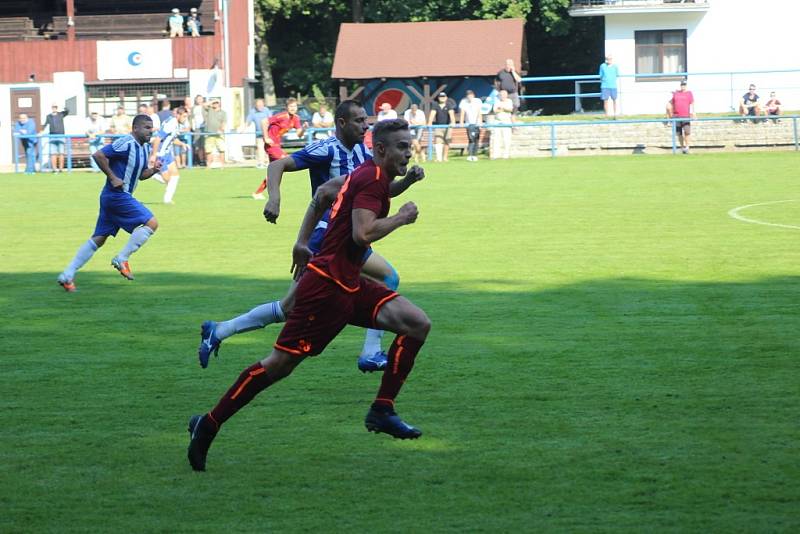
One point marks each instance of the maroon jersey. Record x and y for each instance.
(341, 258)
(280, 123)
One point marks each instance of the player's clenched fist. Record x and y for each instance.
(408, 212)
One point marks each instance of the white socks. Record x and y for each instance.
(138, 238)
(258, 317)
(172, 186)
(84, 254)
(372, 342)
(439, 149)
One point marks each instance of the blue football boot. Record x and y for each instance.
(372, 362)
(208, 343)
(390, 423)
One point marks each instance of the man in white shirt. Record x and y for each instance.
(470, 107)
(322, 119)
(386, 113)
(95, 126)
(415, 117)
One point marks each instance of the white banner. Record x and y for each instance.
(132, 60)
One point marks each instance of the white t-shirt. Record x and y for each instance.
(502, 110)
(387, 115)
(327, 118)
(472, 110)
(418, 118)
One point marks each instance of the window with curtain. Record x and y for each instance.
(660, 51)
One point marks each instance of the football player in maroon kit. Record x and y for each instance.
(331, 294)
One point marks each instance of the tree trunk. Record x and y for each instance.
(358, 11)
(262, 53)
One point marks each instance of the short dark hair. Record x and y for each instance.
(345, 109)
(138, 119)
(383, 129)
(180, 110)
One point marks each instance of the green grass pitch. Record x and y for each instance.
(610, 352)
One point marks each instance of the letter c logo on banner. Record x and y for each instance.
(135, 59)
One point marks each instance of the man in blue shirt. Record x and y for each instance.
(27, 126)
(608, 87)
(124, 163)
(257, 116)
(325, 160)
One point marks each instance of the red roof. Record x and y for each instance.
(415, 49)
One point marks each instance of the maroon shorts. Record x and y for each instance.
(322, 309)
(275, 152)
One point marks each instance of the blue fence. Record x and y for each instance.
(733, 85)
(553, 126)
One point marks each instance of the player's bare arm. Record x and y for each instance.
(323, 199)
(275, 172)
(154, 168)
(367, 228)
(414, 175)
(155, 141)
(102, 162)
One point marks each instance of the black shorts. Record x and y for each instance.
(683, 128)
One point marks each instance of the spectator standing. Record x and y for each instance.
(175, 23)
(121, 122)
(470, 116)
(415, 117)
(55, 126)
(386, 113)
(509, 80)
(149, 110)
(198, 128)
(322, 119)
(193, 25)
(749, 105)
(773, 107)
(682, 106)
(95, 128)
(503, 113)
(215, 120)
(442, 113)
(608, 87)
(27, 126)
(257, 116)
(184, 127)
(165, 113)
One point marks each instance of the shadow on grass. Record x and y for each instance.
(607, 404)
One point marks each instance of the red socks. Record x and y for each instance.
(401, 360)
(261, 187)
(250, 383)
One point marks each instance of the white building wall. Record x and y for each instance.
(720, 40)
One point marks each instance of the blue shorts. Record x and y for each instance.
(606, 93)
(166, 159)
(120, 210)
(57, 146)
(318, 236)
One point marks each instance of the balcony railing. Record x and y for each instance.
(588, 8)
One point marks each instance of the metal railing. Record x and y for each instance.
(633, 3)
(553, 126)
(731, 83)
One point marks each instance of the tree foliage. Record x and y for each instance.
(300, 35)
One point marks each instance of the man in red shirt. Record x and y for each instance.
(331, 293)
(274, 128)
(682, 106)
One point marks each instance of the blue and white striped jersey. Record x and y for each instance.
(329, 158)
(170, 129)
(127, 159)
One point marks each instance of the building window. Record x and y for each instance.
(104, 98)
(660, 51)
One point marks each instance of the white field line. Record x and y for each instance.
(735, 214)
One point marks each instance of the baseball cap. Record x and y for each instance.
(193, 10)
(176, 10)
(442, 94)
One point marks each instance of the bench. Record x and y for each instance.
(15, 28)
(124, 26)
